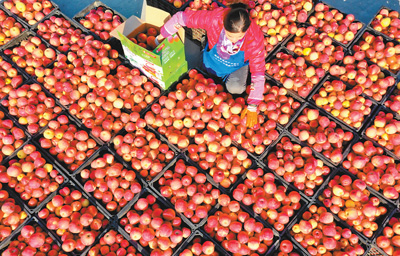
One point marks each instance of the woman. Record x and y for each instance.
(235, 45)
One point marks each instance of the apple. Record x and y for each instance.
(30, 11)
(387, 22)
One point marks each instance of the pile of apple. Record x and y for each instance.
(298, 9)
(384, 131)
(235, 229)
(31, 54)
(319, 234)
(294, 73)
(388, 23)
(74, 220)
(101, 21)
(347, 105)
(10, 28)
(33, 240)
(317, 48)
(153, 227)
(384, 53)
(146, 39)
(9, 78)
(59, 32)
(113, 243)
(31, 176)
(393, 102)
(375, 168)
(196, 5)
(353, 203)
(389, 241)
(31, 107)
(278, 105)
(11, 137)
(30, 11)
(188, 190)
(342, 27)
(147, 154)
(255, 139)
(275, 23)
(216, 153)
(110, 182)
(200, 247)
(12, 214)
(268, 199)
(297, 165)
(67, 142)
(356, 71)
(322, 134)
(195, 104)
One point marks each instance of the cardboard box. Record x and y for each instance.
(165, 64)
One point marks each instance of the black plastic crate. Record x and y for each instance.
(374, 19)
(201, 236)
(38, 137)
(385, 40)
(279, 183)
(24, 37)
(395, 202)
(297, 251)
(25, 21)
(20, 72)
(370, 123)
(171, 166)
(271, 247)
(346, 144)
(330, 78)
(353, 83)
(58, 107)
(72, 186)
(373, 193)
(93, 6)
(59, 14)
(165, 6)
(17, 125)
(390, 96)
(35, 222)
(334, 43)
(356, 36)
(289, 94)
(283, 50)
(48, 160)
(159, 137)
(196, 34)
(163, 205)
(23, 28)
(19, 202)
(108, 229)
(364, 244)
(326, 178)
(87, 166)
(375, 249)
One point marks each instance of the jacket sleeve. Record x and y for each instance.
(256, 56)
(172, 25)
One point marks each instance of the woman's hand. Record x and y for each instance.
(159, 39)
(250, 113)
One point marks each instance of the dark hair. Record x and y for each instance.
(237, 20)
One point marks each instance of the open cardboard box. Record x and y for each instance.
(165, 64)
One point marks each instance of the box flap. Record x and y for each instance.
(154, 16)
(127, 27)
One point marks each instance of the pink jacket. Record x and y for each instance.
(212, 22)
